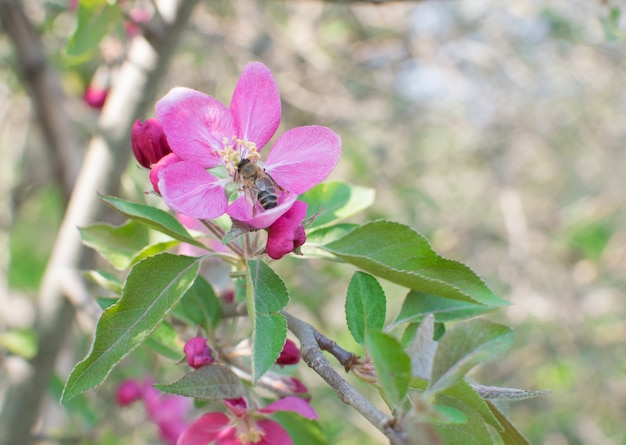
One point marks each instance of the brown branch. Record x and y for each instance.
(107, 155)
(313, 356)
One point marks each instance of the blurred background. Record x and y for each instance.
(495, 128)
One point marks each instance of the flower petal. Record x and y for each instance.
(241, 210)
(203, 430)
(256, 104)
(188, 188)
(303, 157)
(195, 124)
(275, 434)
(293, 404)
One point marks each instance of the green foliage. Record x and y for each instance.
(151, 291)
(393, 366)
(333, 201)
(401, 255)
(266, 296)
(22, 342)
(301, 430)
(200, 306)
(214, 382)
(119, 245)
(463, 347)
(365, 306)
(152, 217)
(95, 19)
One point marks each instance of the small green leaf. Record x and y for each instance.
(152, 289)
(467, 394)
(301, 430)
(421, 349)
(366, 306)
(399, 254)
(106, 280)
(393, 366)
(507, 394)
(472, 432)
(509, 434)
(95, 19)
(463, 347)
(164, 340)
(266, 296)
(118, 245)
(417, 305)
(200, 306)
(152, 217)
(334, 200)
(212, 382)
(22, 342)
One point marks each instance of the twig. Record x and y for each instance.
(312, 355)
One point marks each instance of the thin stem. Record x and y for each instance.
(313, 356)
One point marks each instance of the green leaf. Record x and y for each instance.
(95, 19)
(212, 382)
(152, 289)
(118, 245)
(507, 394)
(324, 235)
(366, 306)
(200, 306)
(22, 342)
(393, 366)
(336, 200)
(509, 434)
(106, 280)
(472, 432)
(266, 296)
(399, 254)
(421, 349)
(463, 347)
(164, 340)
(464, 392)
(301, 430)
(417, 305)
(152, 217)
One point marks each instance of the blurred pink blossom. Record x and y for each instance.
(245, 425)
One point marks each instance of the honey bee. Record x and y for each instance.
(258, 185)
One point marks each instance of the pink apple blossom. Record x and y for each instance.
(245, 425)
(205, 134)
(166, 411)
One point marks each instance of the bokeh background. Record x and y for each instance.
(495, 128)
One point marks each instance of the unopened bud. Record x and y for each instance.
(198, 352)
(95, 97)
(149, 142)
(128, 392)
(365, 371)
(290, 355)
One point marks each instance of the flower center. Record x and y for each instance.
(236, 149)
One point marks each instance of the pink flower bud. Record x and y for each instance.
(128, 392)
(286, 234)
(95, 97)
(149, 142)
(290, 355)
(198, 352)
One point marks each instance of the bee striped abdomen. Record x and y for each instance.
(267, 199)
